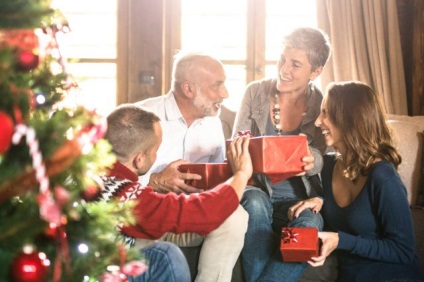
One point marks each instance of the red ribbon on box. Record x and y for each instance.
(289, 236)
(244, 133)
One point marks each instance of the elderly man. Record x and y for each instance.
(192, 130)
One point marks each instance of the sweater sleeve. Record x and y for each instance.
(395, 240)
(318, 162)
(200, 213)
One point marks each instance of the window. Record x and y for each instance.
(245, 35)
(90, 49)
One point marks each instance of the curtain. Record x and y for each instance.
(366, 46)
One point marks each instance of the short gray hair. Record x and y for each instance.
(130, 130)
(186, 66)
(311, 40)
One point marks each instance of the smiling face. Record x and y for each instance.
(331, 133)
(210, 90)
(295, 71)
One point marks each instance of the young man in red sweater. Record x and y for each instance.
(135, 135)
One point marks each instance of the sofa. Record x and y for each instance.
(409, 139)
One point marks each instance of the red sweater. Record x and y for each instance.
(157, 213)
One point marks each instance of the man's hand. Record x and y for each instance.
(314, 204)
(241, 164)
(172, 180)
(329, 240)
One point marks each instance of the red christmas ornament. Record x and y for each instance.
(52, 230)
(91, 193)
(94, 190)
(30, 267)
(6, 132)
(26, 44)
(27, 60)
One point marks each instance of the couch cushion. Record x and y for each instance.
(418, 120)
(408, 138)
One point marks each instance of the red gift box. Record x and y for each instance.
(279, 157)
(212, 174)
(299, 244)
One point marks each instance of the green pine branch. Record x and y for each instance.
(90, 223)
(24, 13)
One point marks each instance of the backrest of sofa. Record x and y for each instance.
(408, 138)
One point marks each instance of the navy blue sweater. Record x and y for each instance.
(376, 237)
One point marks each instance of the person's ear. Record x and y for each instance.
(189, 89)
(315, 73)
(138, 160)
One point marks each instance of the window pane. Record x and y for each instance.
(236, 81)
(282, 17)
(93, 26)
(91, 39)
(215, 26)
(271, 71)
(88, 6)
(96, 86)
(93, 36)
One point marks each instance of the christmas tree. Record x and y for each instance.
(51, 228)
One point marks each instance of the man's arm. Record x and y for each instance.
(201, 213)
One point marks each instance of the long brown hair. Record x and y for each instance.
(357, 112)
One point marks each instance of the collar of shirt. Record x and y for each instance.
(172, 111)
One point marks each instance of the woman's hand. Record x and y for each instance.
(308, 160)
(314, 204)
(329, 240)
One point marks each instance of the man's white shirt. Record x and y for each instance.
(202, 142)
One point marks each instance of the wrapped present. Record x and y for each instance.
(212, 174)
(299, 244)
(279, 157)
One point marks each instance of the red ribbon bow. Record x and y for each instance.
(288, 236)
(244, 133)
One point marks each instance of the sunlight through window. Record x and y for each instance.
(90, 49)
